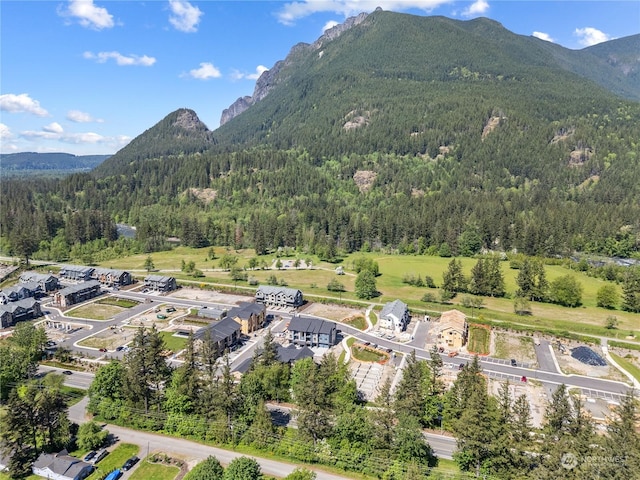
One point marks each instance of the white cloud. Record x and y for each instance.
(328, 25)
(13, 103)
(81, 117)
(291, 12)
(53, 127)
(185, 16)
(88, 14)
(238, 75)
(590, 36)
(122, 60)
(205, 72)
(479, 7)
(5, 132)
(543, 36)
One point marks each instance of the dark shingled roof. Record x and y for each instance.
(311, 325)
(220, 330)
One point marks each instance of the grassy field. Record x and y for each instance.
(627, 365)
(175, 344)
(118, 302)
(479, 338)
(156, 471)
(357, 321)
(587, 319)
(95, 311)
(114, 460)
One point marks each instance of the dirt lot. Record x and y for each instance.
(333, 312)
(534, 392)
(508, 345)
(209, 296)
(570, 365)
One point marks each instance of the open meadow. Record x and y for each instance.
(587, 319)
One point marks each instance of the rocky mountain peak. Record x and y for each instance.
(188, 119)
(271, 78)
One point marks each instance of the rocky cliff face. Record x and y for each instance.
(272, 77)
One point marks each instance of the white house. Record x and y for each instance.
(394, 316)
(61, 466)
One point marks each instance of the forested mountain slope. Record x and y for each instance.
(404, 132)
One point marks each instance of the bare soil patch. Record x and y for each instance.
(570, 365)
(520, 347)
(210, 296)
(333, 312)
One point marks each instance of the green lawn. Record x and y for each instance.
(175, 344)
(118, 302)
(627, 365)
(114, 460)
(156, 471)
(364, 354)
(479, 339)
(358, 322)
(95, 311)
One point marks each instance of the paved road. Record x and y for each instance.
(188, 450)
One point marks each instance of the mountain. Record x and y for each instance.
(413, 134)
(179, 133)
(386, 59)
(31, 163)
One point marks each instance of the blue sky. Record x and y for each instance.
(87, 76)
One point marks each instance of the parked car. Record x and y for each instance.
(461, 366)
(453, 354)
(100, 455)
(514, 363)
(103, 349)
(121, 347)
(67, 372)
(171, 309)
(161, 317)
(130, 463)
(523, 379)
(89, 456)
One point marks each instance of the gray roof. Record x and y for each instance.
(289, 354)
(26, 303)
(292, 354)
(61, 463)
(76, 268)
(311, 325)
(219, 330)
(158, 278)
(109, 271)
(397, 308)
(276, 289)
(30, 276)
(244, 310)
(80, 287)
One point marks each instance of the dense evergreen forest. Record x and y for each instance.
(450, 131)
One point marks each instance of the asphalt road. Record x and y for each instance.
(188, 450)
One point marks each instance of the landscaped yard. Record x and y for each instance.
(363, 353)
(156, 471)
(175, 344)
(479, 338)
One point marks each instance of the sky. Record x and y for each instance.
(87, 76)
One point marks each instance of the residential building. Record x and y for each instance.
(77, 273)
(112, 278)
(395, 316)
(160, 283)
(212, 313)
(312, 332)
(272, 295)
(14, 312)
(77, 293)
(224, 333)
(61, 466)
(249, 315)
(15, 293)
(47, 282)
(289, 354)
(452, 329)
